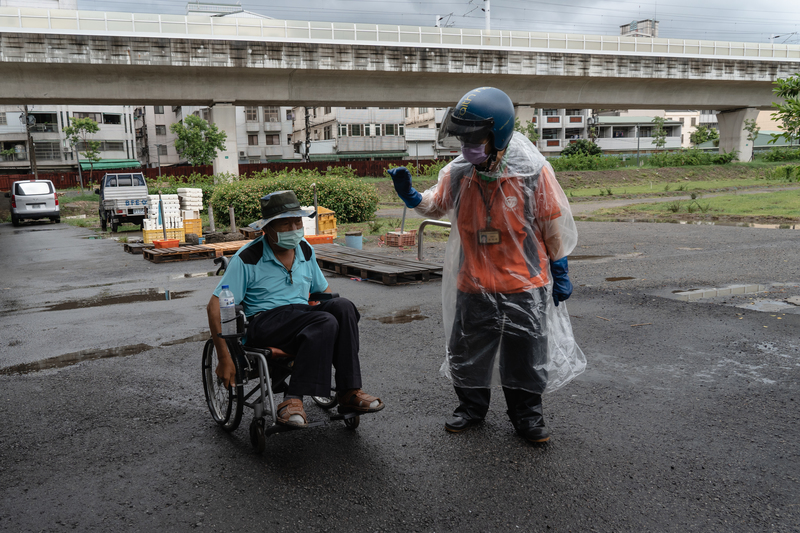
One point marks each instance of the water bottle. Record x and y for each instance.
(227, 311)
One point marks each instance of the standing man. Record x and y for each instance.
(505, 268)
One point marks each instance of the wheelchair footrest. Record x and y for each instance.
(346, 415)
(281, 428)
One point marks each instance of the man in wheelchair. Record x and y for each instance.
(272, 278)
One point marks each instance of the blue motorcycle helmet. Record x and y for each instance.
(483, 112)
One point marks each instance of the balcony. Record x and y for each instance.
(252, 127)
(372, 144)
(45, 128)
(551, 121)
(272, 126)
(254, 151)
(549, 145)
(573, 121)
(17, 156)
(273, 150)
(629, 144)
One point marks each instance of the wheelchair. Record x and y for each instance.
(265, 372)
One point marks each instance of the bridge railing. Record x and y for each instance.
(34, 20)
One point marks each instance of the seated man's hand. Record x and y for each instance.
(226, 371)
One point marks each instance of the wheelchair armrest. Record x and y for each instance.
(222, 261)
(322, 296)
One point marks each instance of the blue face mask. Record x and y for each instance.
(289, 239)
(474, 153)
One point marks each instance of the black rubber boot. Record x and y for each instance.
(472, 407)
(525, 412)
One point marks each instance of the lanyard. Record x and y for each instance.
(487, 204)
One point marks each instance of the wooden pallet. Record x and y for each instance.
(374, 266)
(182, 253)
(226, 248)
(250, 233)
(136, 247)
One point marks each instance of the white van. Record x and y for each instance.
(34, 199)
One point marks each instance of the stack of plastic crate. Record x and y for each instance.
(171, 208)
(191, 202)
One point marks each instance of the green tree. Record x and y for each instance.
(659, 134)
(198, 141)
(703, 134)
(81, 132)
(752, 130)
(528, 130)
(789, 111)
(582, 147)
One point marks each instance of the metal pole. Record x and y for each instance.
(420, 233)
(80, 174)
(31, 148)
(158, 153)
(403, 222)
(161, 214)
(211, 219)
(316, 210)
(487, 17)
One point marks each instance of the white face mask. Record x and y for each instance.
(289, 239)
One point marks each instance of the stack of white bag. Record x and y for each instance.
(191, 202)
(171, 208)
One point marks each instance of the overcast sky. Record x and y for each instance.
(728, 20)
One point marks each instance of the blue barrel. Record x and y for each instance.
(353, 239)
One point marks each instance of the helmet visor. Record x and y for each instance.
(470, 131)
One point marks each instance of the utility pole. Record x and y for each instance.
(27, 119)
(486, 12)
(637, 144)
(308, 137)
(158, 154)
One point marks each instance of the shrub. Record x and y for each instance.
(782, 154)
(581, 146)
(351, 200)
(784, 172)
(585, 162)
(690, 157)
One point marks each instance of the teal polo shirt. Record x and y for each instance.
(260, 282)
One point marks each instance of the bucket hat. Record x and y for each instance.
(280, 204)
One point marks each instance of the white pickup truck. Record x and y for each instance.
(123, 200)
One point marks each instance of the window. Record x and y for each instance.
(252, 140)
(388, 129)
(355, 130)
(550, 112)
(378, 130)
(355, 107)
(681, 138)
(158, 109)
(109, 118)
(327, 110)
(3, 119)
(288, 139)
(326, 133)
(206, 114)
(342, 130)
(289, 114)
(694, 121)
(97, 117)
(161, 129)
(681, 120)
(254, 161)
(273, 140)
(272, 113)
(251, 113)
(162, 149)
(114, 146)
(423, 110)
(366, 130)
(314, 112)
(401, 130)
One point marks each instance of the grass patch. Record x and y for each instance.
(769, 205)
(88, 222)
(673, 188)
(372, 230)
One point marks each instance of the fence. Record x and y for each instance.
(65, 180)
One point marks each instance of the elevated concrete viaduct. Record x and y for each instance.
(67, 57)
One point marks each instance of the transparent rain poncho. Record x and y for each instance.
(501, 324)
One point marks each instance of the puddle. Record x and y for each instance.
(145, 295)
(679, 291)
(623, 278)
(93, 238)
(768, 306)
(24, 231)
(74, 358)
(402, 316)
(194, 338)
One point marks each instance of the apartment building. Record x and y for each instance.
(264, 134)
(51, 147)
(155, 143)
(340, 133)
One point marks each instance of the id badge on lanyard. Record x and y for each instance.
(489, 236)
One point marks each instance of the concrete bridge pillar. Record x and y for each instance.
(732, 135)
(224, 116)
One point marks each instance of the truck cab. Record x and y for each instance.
(123, 200)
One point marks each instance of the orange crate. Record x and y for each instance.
(319, 239)
(395, 238)
(166, 243)
(193, 225)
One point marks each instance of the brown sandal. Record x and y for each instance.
(358, 400)
(292, 406)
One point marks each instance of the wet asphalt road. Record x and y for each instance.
(687, 423)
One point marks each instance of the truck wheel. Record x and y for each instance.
(103, 222)
(114, 226)
(14, 220)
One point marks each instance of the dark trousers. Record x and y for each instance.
(319, 336)
(482, 321)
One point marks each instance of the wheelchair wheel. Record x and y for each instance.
(257, 436)
(326, 402)
(352, 423)
(225, 404)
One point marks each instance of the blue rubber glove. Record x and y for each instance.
(562, 286)
(402, 184)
